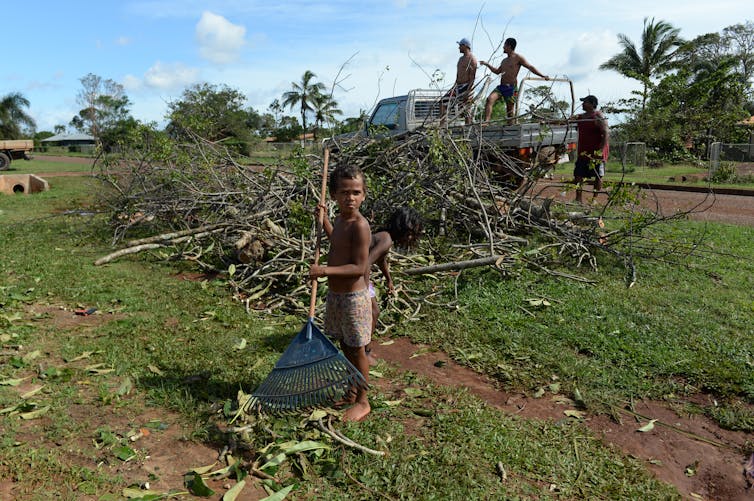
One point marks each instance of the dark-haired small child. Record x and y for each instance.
(403, 229)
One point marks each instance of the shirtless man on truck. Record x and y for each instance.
(508, 71)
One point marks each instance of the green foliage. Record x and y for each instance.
(211, 112)
(702, 101)
(104, 114)
(14, 120)
(654, 57)
(305, 94)
(725, 173)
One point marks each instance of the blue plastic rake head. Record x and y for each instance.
(311, 372)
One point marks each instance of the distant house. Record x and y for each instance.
(70, 140)
(83, 143)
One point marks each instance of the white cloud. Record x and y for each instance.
(220, 41)
(122, 41)
(163, 76)
(131, 83)
(589, 51)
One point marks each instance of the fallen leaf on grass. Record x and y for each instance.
(413, 392)
(31, 393)
(240, 345)
(562, 400)
(279, 495)
(31, 356)
(124, 453)
(375, 374)
(392, 403)
(196, 486)
(35, 414)
(84, 355)
(539, 393)
(125, 387)
(533, 301)
(648, 427)
(575, 414)
(201, 470)
(154, 370)
(96, 371)
(420, 352)
(234, 491)
(387, 343)
(134, 493)
(13, 382)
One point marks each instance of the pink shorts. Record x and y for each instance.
(348, 317)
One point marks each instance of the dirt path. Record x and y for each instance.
(667, 451)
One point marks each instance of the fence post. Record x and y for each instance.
(714, 157)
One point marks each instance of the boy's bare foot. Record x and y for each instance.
(358, 412)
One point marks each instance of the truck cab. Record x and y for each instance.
(419, 107)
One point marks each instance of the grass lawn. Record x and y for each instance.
(166, 346)
(667, 174)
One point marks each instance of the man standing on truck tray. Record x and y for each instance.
(508, 71)
(593, 148)
(462, 89)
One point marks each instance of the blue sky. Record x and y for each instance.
(155, 48)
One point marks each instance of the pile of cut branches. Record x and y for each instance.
(195, 201)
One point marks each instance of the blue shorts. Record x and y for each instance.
(508, 92)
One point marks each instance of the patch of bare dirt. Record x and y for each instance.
(680, 451)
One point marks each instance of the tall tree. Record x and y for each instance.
(740, 39)
(325, 108)
(212, 112)
(303, 95)
(659, 41)
(13, 117)
(104, 109)
(276, 109)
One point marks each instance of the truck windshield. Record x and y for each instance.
(386, 115)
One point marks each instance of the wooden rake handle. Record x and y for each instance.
(320, 223)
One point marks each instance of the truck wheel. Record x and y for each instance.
(4, 161)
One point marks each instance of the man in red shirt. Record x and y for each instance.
(593, 146)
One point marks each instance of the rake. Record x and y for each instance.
(311, 371)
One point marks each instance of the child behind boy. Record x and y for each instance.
(348, 316)
(403, 229)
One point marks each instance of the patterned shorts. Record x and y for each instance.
(348, 317)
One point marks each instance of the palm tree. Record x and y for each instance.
(658, 43)
(13, 116)
(302, 94)
(325, 108)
